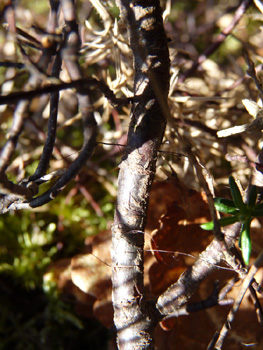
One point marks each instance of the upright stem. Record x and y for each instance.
(133, 319)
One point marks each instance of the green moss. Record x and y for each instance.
(40, 7)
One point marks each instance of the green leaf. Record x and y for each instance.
(228, 220)
(208, 226)
(236, 195)
(225, 205)
(252, 196)
(222, 222)
(245, 241)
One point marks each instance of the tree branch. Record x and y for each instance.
(86, 83)
(134, 319)
(54, 100)
(179, 293)
(246, 283)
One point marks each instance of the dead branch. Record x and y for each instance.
(54, 101)
(245, 285)
(87, 84)
(178, 294)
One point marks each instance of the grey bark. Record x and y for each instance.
(133, 319)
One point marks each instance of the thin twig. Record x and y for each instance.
(19, 118)
(20, 114)
(7, 187)
(87, 83)
(52, 128)
(230, 318)
(54, 101)
(213, 300)
(257, 304)
(69, 54)
(252, 73)
(245, 4)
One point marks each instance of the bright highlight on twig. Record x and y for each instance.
(257, 125)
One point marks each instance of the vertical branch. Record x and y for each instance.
(69, 54)
(15, 131)
(20, 111)
(54, 100)
(132, 317)
(52, 127)
(20, 114)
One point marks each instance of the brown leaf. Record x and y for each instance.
(87, 277)
(90, 275)
(179, 235)
(162, 276)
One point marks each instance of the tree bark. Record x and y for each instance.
(133, 319)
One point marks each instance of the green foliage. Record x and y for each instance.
(37, 7)
(33, 314)
(25, 249)
(29, 241)
(241, 212)
(33, 320)
(114, 11)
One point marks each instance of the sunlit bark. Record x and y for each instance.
(133, 320)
